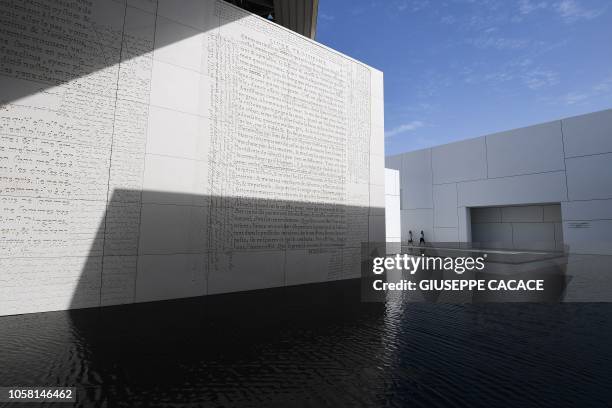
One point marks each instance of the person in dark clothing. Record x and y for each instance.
(422, 240)
(410, 241)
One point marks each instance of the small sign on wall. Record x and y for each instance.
(579, 224)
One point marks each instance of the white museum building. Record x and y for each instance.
(547, 186)
(169, 149)
(162, 150)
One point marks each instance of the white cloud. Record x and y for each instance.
(602, 88)
(528, 6)
(498, 43)
(356, 11)
(539, 78)
(448, 19)
(327, 17)
(412, 5)
(571, 10)
(520, 71)
(573, 98)
(406, 127)
(599, 91)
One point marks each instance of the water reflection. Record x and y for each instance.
(316, 345)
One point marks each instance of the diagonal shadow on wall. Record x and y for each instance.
(62, 49)
(71, 191)
(146, 246)
(169, 245)
(149, 245)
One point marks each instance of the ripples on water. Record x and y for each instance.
(316, 345)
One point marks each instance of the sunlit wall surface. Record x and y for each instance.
(164, 149)
(531, 188)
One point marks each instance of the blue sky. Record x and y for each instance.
(458, 69)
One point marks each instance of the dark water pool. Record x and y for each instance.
(313, 346)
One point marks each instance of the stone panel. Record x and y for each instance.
(587, 210)
(589, 177)
(533, 235)
(523, 213)
(162, 277)
(588, 237)
(552, 213)
(417, 221)
(178, 44)
(416, 180)
(235, 271)
(392, 217)
(533, 188)
(497, 233)
(445, 205)
(534, 149)
(460, 161)
(486, 214)
(446, 234)
(588, 134)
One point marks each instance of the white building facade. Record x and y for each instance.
(163, 149)
(543, 186)
(392, 206)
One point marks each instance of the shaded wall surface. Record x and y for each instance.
(392, 206)
(518, 226)
(164, 149)
(566, 162)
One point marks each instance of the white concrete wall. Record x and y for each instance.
(392, 206)
(568, 161)
(163, 149)
(521, 227)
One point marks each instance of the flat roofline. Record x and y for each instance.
(498, 132)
